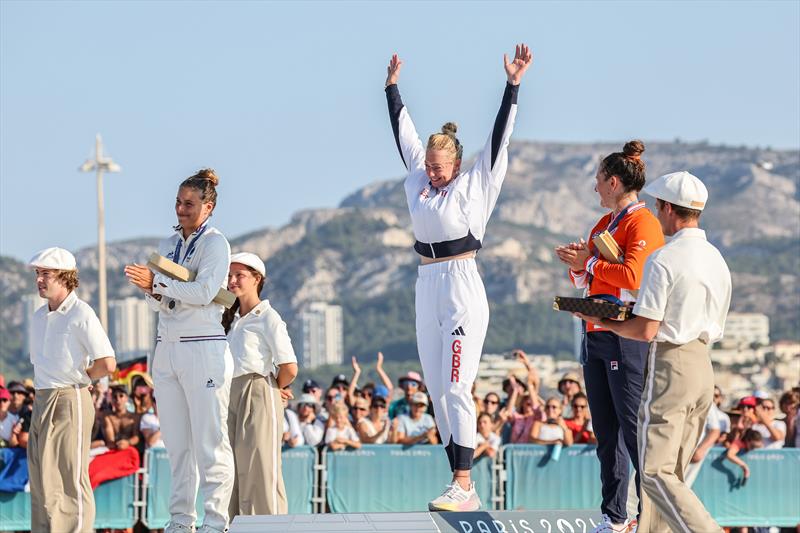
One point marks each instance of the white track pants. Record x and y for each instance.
(192, 387)
(452, 319)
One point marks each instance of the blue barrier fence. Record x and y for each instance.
(391, 477)
(397, 478)
(298, 474)
(114, 505)
(770, 497)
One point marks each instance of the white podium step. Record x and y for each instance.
(551, 521)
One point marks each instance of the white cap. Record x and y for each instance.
(251, 260)
(54, 259)
(679, 188)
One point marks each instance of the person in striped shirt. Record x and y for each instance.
(613, 366)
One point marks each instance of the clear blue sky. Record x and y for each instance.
(286, 100)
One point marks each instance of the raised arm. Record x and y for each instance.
(492, 163)
(351, 390)
(387, 382)
(405, 134)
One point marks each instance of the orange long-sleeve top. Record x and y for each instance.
(638, 234)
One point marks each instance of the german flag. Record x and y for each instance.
(128, 370)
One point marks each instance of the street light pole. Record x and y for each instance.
(101, 164)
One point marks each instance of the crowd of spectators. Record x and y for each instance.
(126, 416)
(380, 414)
(345, 415)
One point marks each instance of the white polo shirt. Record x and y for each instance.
(686, 286)
(64, 343)
(259, 341)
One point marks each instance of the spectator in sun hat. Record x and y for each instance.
(568, 386)
(311, 426)
(417, 427)
(292, 434)
(411, 383)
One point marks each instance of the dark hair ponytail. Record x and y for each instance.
(627, 165)
(230, 314)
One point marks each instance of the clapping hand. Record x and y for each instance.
(393, 70)
(517, 67)
(574, 254)
(141, 276)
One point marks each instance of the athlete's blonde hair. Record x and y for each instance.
(447, 141)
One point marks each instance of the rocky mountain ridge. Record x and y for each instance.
(359, 254)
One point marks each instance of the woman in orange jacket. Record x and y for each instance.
(613, 366)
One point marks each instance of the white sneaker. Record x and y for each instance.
(177, 527)
(607, 526)
(209, 529)
(454, 498)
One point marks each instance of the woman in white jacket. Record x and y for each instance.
(264, 366)
(449, 211)
(192, 365)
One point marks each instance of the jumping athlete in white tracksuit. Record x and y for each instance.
(192, 364)
(449, 223)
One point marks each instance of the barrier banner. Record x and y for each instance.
(394, 478)
(770, 497)
(298, 476)
(536, 481)
(113, 503)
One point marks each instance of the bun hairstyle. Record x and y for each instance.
(627, 165)
(447, 140)
(205, 181)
